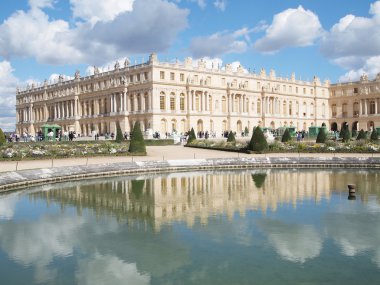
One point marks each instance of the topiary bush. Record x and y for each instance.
(286, 136)
(362, 135)
(246, 131)
(2, 137)
(119, 134)
(258, 142)
(322, 135)
(345, 134)
(192, 136)
(137, 144)
(374, 135)
(231, 137)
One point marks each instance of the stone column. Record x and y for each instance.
(376, 105)
(193, 100)
(365, 107)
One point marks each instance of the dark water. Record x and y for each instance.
(241, 227)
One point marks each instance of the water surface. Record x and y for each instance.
(233, 227)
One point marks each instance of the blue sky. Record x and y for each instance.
(39, 39)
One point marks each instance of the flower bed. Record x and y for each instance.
(47, 150)
(294, 147)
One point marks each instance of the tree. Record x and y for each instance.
(345, 133)
(258, 142)
(361, 135)
(119, 134)
(231, 137)
(137, 144)
(286, 136)
(2, 137)
(192, 136)
(322, 134)
(246, 131)
(374, 135)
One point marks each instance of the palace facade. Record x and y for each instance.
(167, 97)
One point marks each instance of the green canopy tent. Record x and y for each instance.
(46, 129)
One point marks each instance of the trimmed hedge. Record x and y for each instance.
(322, 135)
(362, 135)
(258, 142)
(192, 136)
(137, 144)
(286, 136)
(374, 135)
(119, 134)
(231, 137)
(2, 137)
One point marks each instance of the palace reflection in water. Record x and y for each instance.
(232, 227)
(187, 196)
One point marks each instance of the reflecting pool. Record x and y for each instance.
(230, 227)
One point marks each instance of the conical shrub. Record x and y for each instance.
(119, 134)
(322, 135)
(345, 134)
(2, 137)
(192, 136)
(137, 144)
(258, 142)
(374, 135)
(361, 135)
(286, 136)
(231, 137)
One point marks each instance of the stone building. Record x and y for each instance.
(167, 97)
(356, 104)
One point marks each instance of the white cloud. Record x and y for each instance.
(220, 43)
(8, 205)
(354, 44)
(201, 3)
(296, 243)
(95, 11)
(106, 34)
(220, 4)
(109, 269)
(290, 28)
(8, 84)
(41, 3)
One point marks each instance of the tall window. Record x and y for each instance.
(356, 109)
(284, 108)
(172, 76)
(197, 103)
(344, 110)
(290, 109)
(162, 101)
(182, 77)
(210, 103)
(172, 102)
(372, 108)
(258, 106)
(182, 102)
(224, 104)
(162, 74)
(333, 109)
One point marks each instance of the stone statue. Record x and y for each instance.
(77, 74)
(117, 65)
(60, 78)
(96, 70)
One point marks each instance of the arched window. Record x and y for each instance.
(224, 104)
(172, 102)
(182, 102)
(258, 106)
(162, 101)
(312, 109)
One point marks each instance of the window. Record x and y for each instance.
(304, 91)
(197, 103)
(223, 81)
(333, 109)
(172, 76)
(131, 78)
(138, 77)
(258, 106)
(162, 101)
(297, 90)
(182, 102)
(224, 104)
(356, 109)
(162, 75)
(182, 77)
(372, 108)
(210, 102)
(311, 91)
(356, 90)
(145, 75)
(258, 86)
(290, 109)
(290, 89)
(284, 88)
(172, 102)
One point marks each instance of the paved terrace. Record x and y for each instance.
(167, 158)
